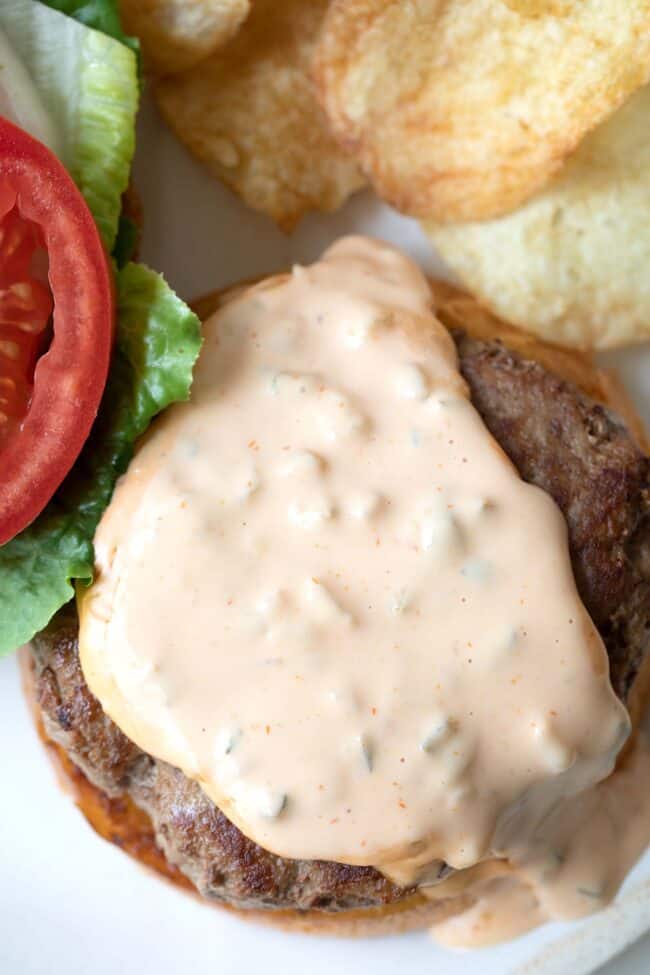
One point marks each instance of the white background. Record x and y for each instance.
(71, 903)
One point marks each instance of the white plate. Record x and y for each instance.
(70, 903)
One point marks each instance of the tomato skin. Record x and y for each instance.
(69, 378)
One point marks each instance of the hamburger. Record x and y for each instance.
(130, 757)
(355, 639)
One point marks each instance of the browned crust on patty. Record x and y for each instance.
(459, 311)
(532, 397)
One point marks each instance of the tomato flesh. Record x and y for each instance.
(51, 378)
(25, 310)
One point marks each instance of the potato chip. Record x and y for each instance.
(462, 109)
(177, 34)
(573, 264)
(251, 114)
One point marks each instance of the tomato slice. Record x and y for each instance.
(56, 330)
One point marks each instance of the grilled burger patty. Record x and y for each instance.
(559, 439)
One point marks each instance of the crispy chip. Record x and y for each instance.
(462, 109)
(573, 264)
(251, 114)
(177, 34)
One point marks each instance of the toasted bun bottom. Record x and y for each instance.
(121, 822)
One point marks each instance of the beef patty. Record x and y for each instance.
(560, 440)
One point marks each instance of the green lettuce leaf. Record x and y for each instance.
(158, 341)
(88, 83)
(83, 75)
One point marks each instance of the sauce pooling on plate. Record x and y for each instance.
(324, 592)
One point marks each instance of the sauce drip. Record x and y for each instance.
(572, 866)
(324, 592)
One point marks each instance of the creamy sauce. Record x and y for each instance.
(324, 592)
